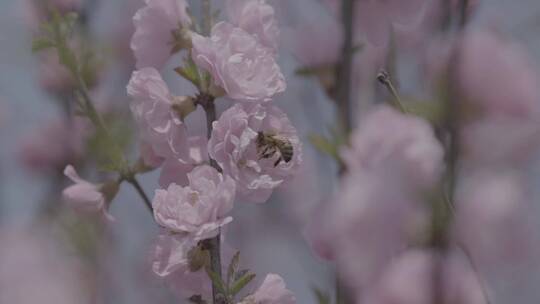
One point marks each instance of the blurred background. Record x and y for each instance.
(111, 262)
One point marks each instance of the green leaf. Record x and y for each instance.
(42, 43)
(322, 297)
(324, 145)
(240, 274)
(216, 281)
(233, 267)
(241, 283)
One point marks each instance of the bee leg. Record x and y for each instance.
(264, 153)
(269, 154)
(278, 161)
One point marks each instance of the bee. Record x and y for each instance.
(269, 145)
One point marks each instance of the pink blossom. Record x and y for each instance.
(271, 291)
(180, 260)
(84, 196)
(52, 146)
(371, 219)
(37, 268)
(499, 141)
(409, 280)
(153, 41)
(257, 18)
(54, 77)
(397, 145)
(160, 125)
(238, 63)
(312, 49)
(199, 208)
(234, 146)
(175, 170)
(376, 18)
(170, 259)
(497, 76)
(492, 218)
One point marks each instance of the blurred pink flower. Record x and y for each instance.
(492, 219)
(375, 18)
(409, 280)
(36, 268)
(234, 146)
(52, 146)
(497, 76)
(370, 220)
(155, 24)
(399, 146)
(175, 170)
(239, 64)
(151, 105)
(54, 77)
(317, 232)
(257, 18)
(84, 196)
(37, 12)
(198, 209)
(311, 48)
(499, 141)
(271, 291)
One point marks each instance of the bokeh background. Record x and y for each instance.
(270, 236)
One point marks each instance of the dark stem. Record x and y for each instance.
(345, 66)
(343, 95)
(463, 14)
(135, 183)
(213, 245)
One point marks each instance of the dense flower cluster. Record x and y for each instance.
(253, 144)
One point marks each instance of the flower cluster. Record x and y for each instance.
(252, 148)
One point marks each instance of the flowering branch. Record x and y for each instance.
(57, 35)
(213, 245)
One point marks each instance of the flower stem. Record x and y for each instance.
(343, 95)
(98, 122)
(135, 183)
(207, 102)
(345, 66)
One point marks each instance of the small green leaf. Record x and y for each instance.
(233, 267)
(240, 274)
(42, 43)
(216, 281)
(188, 73)
(241, 283)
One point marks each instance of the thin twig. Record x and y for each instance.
(345, 67)
(343, 95)
(133, 181)
(384, 78)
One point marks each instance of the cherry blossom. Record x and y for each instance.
(198, 209)
(271, 291)
(235, 147)
(156, 25)
(152, 107)
(238, 63)
(257, 18)
(84, 196)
